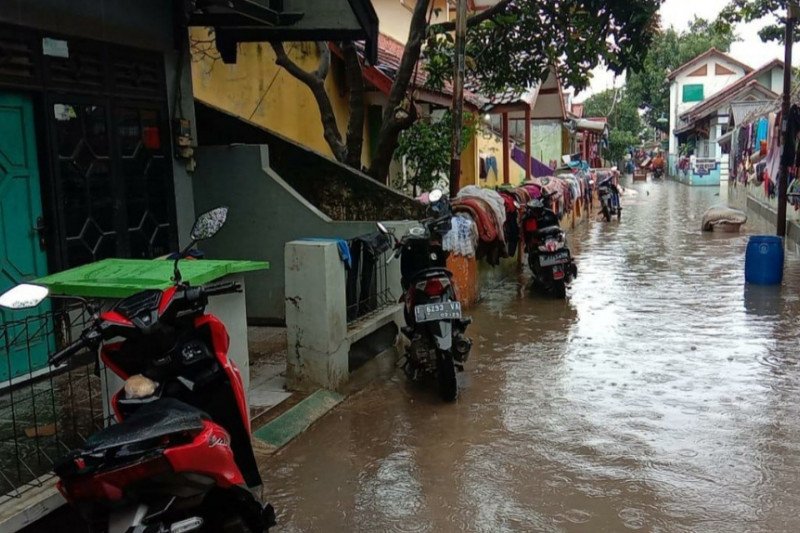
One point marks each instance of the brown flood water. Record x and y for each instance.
(661, 396)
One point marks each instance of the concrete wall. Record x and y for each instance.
(395, 16)
(179, 80)
(258, 90)
(546, 140)
(490, 144)
(265, 213)
(335, 189)
(712, 177)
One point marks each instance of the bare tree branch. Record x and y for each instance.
(355, 83)
(474, 19)
(316, 82)
(399, 109)
(324, 61)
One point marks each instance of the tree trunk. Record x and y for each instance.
(400, 113)
(355, 126)
(316, 82)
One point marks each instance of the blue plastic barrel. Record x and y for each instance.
(763, 264)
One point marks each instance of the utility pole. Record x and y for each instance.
(458, 95)
(783, 180)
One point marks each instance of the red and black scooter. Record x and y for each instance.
(180, 458)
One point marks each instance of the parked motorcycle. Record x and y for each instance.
(434, 323)
(608, 193)
(549, 257)
(180, 458)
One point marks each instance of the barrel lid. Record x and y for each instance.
(765, 238)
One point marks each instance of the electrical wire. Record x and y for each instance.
(271, 83)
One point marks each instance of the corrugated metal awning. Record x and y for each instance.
(741, 110)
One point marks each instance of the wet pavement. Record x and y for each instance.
(660, 397)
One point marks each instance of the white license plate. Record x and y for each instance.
(555, 259)
(437, 311)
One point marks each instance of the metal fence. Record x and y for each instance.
(44, 412)
(367, 280)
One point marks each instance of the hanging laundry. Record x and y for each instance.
(462, 239)
(491, 166)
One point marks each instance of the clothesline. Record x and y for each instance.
(775, 104)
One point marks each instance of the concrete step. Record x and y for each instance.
(293, 422)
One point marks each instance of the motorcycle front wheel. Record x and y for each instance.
(446, 376)
(606, 214)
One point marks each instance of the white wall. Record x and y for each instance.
(395, 16)
(673, 118)
(776, 84)
(712, 84)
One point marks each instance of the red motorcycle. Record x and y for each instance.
(180, 458)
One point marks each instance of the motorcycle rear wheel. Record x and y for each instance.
(446, 376)
(560, 289)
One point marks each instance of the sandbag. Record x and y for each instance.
(723, 215)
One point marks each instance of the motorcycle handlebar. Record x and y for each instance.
(62, 355)
(223, 287)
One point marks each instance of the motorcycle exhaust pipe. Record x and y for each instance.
(185, 526)
(462, 346)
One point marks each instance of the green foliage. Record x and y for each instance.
(624, 121)
(426, 146)
(750, 10)
(669, 50)
(618, 143)
(617, 105)
(516, 47)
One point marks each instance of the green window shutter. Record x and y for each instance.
(693, 93)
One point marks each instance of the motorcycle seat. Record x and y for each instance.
(431, 273)
(153, 421)
(549, 231)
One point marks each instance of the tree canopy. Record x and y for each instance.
(624, 121)
(750, 10)
(516, 46)
(669, 50)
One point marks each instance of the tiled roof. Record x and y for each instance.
(390, 54)
(508, 96)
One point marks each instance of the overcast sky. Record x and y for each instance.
(678, 13)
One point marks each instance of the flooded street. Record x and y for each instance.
(661, 396)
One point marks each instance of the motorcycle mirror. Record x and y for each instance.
(23, 296)
(383, 229)
(209, 223)
(435, 195)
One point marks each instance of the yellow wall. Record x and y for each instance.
(257, 89)
(487, 144)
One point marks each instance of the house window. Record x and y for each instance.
(693, 92)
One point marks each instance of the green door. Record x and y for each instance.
(24, 341)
